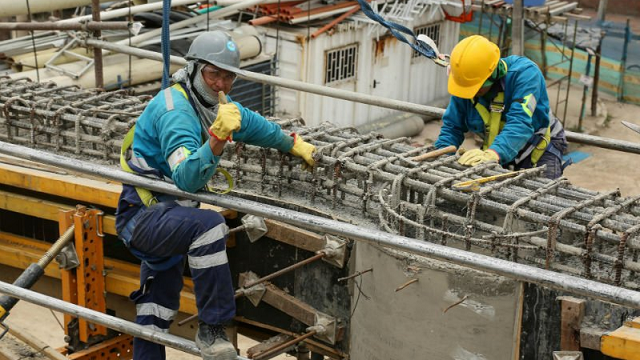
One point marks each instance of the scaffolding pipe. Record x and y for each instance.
(229, 10)
(97, 53)
(105, 15)
(505, 268)
(12, 8)
(290, 84)
(88, 26)
(97, 317)
(607, 143)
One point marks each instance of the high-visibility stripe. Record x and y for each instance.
(179, 155)
(211, 236)
(168, 99)
(156, 328)
(208, 261)
(156, 310)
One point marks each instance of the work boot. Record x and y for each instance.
(213, 343)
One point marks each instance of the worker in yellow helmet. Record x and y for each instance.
(505, 101)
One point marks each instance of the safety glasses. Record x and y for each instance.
(216, 74)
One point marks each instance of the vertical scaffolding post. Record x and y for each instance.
(623, 61)
(596, 76)
(573, 51)
(97, 53)
(517, 28)
(84, 285)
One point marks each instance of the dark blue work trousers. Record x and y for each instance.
(164, 233)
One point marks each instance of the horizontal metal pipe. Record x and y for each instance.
(12, 8)
(105, 15)
(505, 268)
(96, 317)
(287, 83)
(598, 141)
(607, 143)
(229, 10)
(88, 26)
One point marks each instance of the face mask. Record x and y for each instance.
(202, 88)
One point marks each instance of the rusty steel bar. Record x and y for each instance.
(274, 350)
(285, 270)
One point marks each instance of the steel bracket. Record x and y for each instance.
(68, 258)
(326, 327)
(256, 292)
(335, 250)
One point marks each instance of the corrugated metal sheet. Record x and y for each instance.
(382, 61)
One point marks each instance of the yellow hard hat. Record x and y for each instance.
(473, 60)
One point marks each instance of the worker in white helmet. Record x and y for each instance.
(180, 137)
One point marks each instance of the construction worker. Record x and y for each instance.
(179, 138)
(505, 101)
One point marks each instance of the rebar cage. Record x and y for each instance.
(368, 180)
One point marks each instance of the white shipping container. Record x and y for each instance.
(355, 58)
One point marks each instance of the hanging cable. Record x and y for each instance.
(208, 14)
(33, 43)
(397, 30)
(164, 44)
(129, 82)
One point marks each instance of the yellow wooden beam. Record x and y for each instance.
(81, 189)
(624, 342)
(122, 278)
(44, 209)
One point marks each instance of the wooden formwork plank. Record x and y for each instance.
(84, 190)
(43, 209)
(571, 318)
(80, 189)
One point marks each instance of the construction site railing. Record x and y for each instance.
(493, 265)
(607, 143)
(97, 317)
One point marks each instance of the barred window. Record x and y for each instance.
(432, 31)
(340, 64)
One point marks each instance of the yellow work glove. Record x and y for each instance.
(304, 150)
(478, 156)
(227, 121)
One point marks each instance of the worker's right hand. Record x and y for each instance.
(478, 156)
(227, 121)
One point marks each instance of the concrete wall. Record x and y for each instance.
(412, 324)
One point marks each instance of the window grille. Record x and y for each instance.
(340, 64)
(432, 31)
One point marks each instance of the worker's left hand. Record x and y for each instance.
(303, 150)
(478, 156)
(227, 121)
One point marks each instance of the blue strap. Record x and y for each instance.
(397, 30)
(165, 42)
